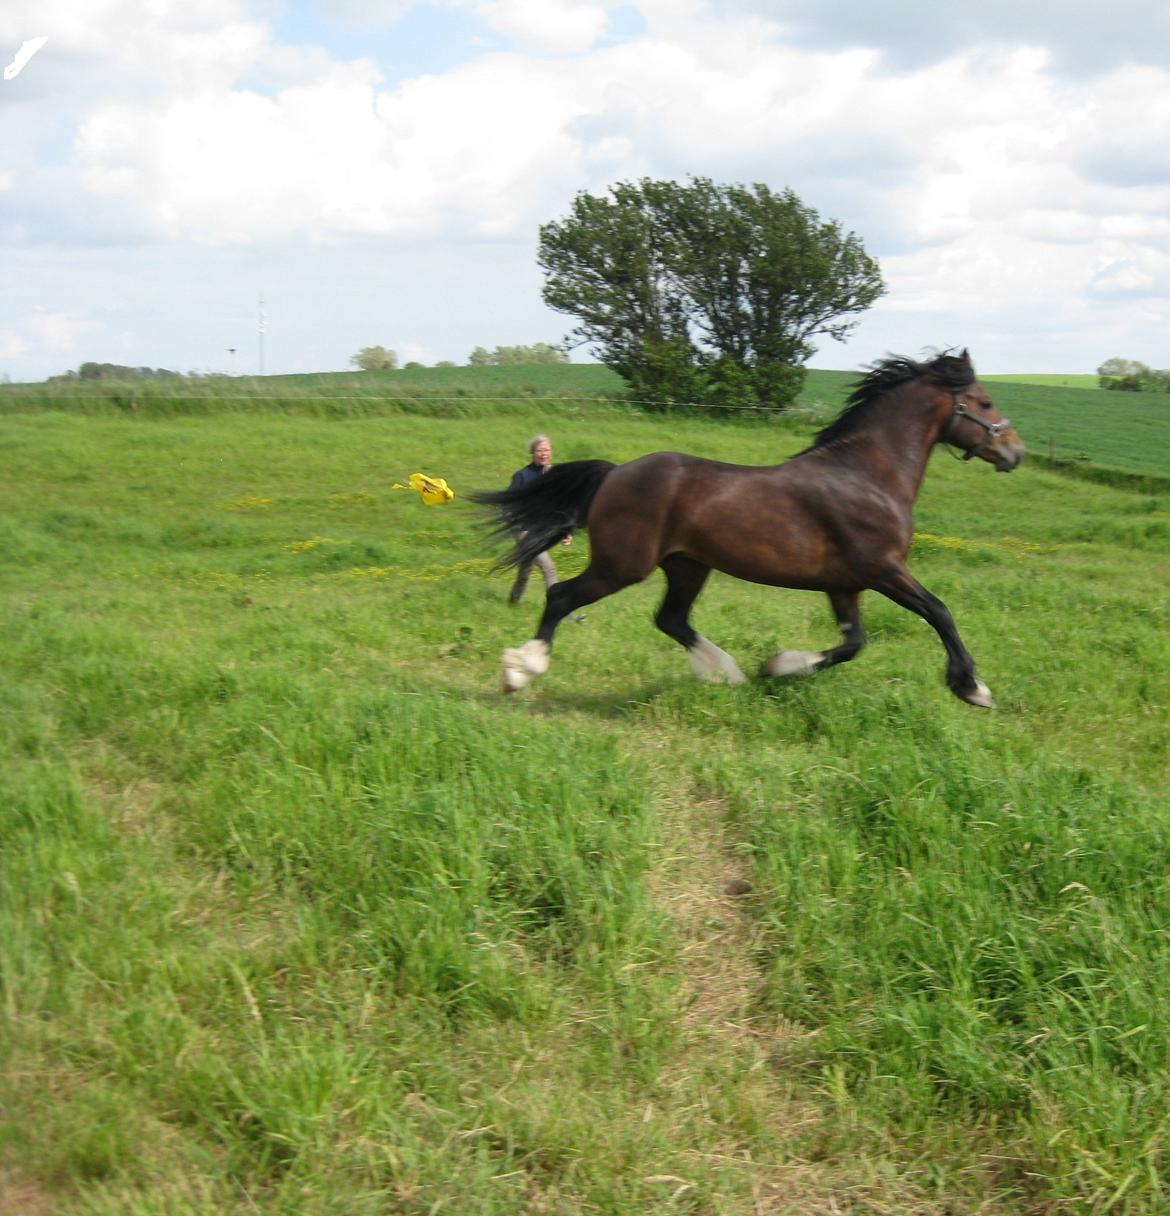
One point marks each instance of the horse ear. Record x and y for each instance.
(965, 355)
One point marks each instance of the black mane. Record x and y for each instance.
(953, 372)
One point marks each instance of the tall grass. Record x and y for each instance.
(297, 914)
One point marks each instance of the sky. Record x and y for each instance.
(378, 172)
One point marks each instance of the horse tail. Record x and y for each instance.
(546, 509)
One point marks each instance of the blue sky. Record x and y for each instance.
(380, 170)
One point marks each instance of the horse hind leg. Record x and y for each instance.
(522, 664)
(846, 608)
(684, 580)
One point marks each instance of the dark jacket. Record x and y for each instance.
(523, 476)
(530, 472)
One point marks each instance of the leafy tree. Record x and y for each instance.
(375, 359)
(1130, 376)
(706, 292)
(538, 352)
(115, 371)
(507, 356)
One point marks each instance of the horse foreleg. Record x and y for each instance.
(522, 664)
(846, 607)
(684, 580)
(905, 590)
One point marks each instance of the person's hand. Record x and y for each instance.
(566, 540)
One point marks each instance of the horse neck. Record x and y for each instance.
(899, 434)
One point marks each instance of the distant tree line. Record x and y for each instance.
(115, 371)
(379, 359)
(1130, 376)
(509, 356)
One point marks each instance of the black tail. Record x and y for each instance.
(537, 515)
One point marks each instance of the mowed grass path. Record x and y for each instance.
(299, 915)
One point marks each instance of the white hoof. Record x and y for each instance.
(792, 663)
(716, 666)
(522, 663)
(980, 695)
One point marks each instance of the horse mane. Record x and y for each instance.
(953, 372)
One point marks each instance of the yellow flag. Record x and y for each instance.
(432, 490)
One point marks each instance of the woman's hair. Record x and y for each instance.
(535, 440)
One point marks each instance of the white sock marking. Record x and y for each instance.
(710, 663)
(792, 663)
(522, 663)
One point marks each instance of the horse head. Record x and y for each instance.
(975, 425)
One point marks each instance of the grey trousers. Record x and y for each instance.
(546, 568)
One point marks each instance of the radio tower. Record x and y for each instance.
(260, 332)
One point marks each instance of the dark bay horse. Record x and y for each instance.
(835, 518)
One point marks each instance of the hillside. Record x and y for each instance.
(1075, 427)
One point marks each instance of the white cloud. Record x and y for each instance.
(185, 44)
(463, 153)
(44, 334)
(982, 172)
(557, 26)
(374, 14)
(1085, 37)
(485, 148)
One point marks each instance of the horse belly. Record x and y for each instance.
(779, 548)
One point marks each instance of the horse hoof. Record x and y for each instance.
(792, 663)
(524, 662)
(713, 665)
(979, 695)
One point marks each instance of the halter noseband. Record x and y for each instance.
(992, 428)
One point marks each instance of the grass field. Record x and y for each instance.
(1088, 430)
(298, 915)
(1088, 380)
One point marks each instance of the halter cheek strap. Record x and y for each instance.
(992, 428)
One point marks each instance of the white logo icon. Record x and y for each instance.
(27, 50)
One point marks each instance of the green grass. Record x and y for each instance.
(297, 914)
(1054, 380)
(439, 391)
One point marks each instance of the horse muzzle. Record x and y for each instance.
(1008, 457)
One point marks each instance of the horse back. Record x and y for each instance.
(783, 525)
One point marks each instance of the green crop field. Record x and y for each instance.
(298, 914)
(1058, 380)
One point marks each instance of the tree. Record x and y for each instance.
(706, 292)
(506, 356)
(375, 359)
(1130, 376)
(538, 352)
(115, 371)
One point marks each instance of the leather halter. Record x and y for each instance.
(993, 429)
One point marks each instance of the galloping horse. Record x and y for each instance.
(835, 518)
